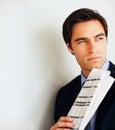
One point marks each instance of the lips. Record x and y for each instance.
(93, 58)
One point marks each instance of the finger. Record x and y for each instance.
(66, 119)
(65, 122)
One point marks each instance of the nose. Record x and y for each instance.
(92, 46)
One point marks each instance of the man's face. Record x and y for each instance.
(88, 44)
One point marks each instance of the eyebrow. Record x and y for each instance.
(85, 38)
(101, 34)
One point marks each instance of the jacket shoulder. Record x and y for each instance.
(71, 85)
(66, 96)
(112, 69)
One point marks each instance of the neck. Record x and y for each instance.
(86, 73)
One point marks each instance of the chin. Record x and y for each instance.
(96, 66)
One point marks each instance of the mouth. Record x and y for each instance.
(93, 58)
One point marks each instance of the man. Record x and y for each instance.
(85, 33)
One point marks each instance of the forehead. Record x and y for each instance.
(88, 28)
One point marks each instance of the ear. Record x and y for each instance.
(69, 47)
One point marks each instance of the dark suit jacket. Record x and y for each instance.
(106, 111)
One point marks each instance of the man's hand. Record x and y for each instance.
(64, 123)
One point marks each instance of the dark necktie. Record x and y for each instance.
(91, 124)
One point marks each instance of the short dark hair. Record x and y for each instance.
(81, 15)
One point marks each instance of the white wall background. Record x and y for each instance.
(34, 61)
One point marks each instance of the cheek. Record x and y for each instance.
(80, 52)
(80, 56)
(103, 49)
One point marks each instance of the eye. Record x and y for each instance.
(99, 38)
(81, 41)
